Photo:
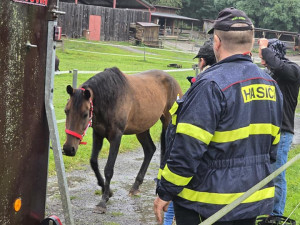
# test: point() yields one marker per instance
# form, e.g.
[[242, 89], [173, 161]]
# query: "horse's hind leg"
[[149, 149]]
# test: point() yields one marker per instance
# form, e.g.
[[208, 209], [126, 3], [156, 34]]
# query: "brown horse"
[[119, 104]]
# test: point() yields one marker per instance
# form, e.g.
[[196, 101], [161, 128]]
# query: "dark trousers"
[[185, 216]]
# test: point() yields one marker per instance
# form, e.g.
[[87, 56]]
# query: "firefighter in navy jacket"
[[223, 135]]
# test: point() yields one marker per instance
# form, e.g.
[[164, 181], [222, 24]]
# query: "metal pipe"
[[75, 75], [54, 135]]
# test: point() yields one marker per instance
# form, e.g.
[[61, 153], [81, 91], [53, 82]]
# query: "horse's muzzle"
[[69, 150]]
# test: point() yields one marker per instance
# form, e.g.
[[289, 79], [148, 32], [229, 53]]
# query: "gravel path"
[[121, 208]]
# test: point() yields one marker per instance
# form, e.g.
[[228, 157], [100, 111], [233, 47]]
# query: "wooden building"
[[169, 21], [97, 22], [110, 20], [147, 33]]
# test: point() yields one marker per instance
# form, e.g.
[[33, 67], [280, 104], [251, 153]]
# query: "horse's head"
[[79, 111]]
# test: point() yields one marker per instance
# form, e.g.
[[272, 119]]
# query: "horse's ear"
[[87, 94], [70, 90]]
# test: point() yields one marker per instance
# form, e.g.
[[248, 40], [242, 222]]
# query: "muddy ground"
[[121, 208]]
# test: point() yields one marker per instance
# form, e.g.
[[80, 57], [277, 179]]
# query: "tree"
[[270, 14], [171, 3], [200, 9]]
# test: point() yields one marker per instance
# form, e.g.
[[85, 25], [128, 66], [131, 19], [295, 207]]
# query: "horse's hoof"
[[111, 193], [100, 208], [134, 192]]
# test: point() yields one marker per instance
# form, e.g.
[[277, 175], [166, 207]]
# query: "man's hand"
[[263, 43], [160, 206]]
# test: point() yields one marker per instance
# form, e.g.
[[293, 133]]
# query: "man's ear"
[[202, 63], [217, 42]]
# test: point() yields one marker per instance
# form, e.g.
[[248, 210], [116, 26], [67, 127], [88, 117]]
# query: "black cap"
[[229, 16], [206, 50]]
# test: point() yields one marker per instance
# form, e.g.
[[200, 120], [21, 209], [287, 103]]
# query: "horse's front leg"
[[97, 145], [109, 170]]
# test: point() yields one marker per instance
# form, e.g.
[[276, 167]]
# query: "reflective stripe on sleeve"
[[245, 132], [174, 119], [225, 198], [276, 140], [194, 131], [174, 108], [172, 111], [159, 174], [174, 178]]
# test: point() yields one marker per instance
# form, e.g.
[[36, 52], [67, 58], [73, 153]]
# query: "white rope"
[[137, 56], [291, 214], [97, 43], [126, 72], [61, 121]]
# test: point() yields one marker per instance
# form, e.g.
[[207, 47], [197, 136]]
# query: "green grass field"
[[96, 56]]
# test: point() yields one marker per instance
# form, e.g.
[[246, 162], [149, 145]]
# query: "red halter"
[[80, 136]]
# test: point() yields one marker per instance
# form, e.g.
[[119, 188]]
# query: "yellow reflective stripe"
[[159, 174], [174, 178], [174, 119], [225, 198], [276, 140], [174, 108], [194, 131], [245, 132]]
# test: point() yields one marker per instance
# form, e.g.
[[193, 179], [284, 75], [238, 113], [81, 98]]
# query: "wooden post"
[[165, 26], [173, 27], [75, 75], [191, 34]]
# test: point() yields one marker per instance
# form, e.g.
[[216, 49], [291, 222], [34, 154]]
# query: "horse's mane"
[[108, 87]]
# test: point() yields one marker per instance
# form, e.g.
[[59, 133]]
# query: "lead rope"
[[291, 214]]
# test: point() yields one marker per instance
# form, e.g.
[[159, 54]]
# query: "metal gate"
[[24, 133]]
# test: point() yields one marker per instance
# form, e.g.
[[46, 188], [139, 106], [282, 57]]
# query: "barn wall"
[[115, 23]]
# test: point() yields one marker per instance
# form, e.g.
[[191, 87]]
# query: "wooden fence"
[[115, 23]]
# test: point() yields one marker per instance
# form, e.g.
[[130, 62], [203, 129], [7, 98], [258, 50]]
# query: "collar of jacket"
[[235, 58]]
